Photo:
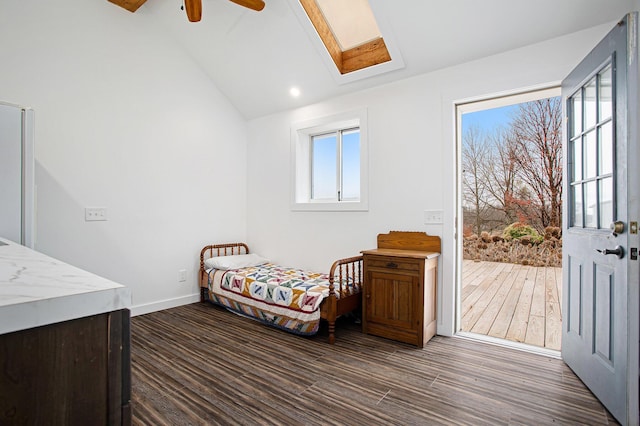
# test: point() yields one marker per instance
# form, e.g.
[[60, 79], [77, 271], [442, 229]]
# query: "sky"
[[488, 119]]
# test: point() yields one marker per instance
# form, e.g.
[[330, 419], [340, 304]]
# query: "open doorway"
[[510, 198]]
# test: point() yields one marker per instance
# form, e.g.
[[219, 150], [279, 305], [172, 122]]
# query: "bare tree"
[[537, 136], [501, 173], [475, 155]]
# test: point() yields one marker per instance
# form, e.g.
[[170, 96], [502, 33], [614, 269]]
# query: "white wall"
[[124, 120], [412, 159]]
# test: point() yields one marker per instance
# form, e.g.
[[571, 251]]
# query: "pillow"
[[235, 261]]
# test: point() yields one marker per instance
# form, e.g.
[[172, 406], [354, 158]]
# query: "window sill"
[[343, 206]]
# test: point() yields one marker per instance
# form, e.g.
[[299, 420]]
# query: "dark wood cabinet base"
[[73, 372]]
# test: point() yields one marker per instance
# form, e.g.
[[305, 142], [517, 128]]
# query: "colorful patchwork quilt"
[[287, 298]]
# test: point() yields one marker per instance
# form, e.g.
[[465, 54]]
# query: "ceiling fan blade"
[[194, 9], [256, 5]]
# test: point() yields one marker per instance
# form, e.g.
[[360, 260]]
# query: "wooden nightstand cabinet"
[[399, 298]]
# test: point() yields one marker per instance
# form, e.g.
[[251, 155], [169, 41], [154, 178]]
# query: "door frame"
[[472, 105]]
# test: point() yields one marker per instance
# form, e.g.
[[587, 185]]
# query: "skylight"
[[349, 32], [352, 22]]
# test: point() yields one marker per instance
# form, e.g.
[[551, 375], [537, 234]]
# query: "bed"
[[288, 298]]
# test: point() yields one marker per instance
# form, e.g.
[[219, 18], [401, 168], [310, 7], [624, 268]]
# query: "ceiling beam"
[[324, 31], [130, 5], [366, 55]]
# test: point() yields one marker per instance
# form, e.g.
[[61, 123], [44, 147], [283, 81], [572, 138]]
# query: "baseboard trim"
[[164, 304]]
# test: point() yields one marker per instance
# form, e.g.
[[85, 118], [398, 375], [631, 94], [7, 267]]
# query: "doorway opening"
[[510, 217]]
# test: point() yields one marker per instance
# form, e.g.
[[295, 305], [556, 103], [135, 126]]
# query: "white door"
[[600, 264]]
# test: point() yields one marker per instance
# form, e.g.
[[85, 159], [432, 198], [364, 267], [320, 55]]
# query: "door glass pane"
[[606, 202], [576, 110], [351, 165], [324, 154], [590, 104], [577, 205], [605, 93], [577, 159], [591, 205], [606, 149], [590, 150]]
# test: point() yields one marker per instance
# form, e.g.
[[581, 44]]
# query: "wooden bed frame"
[[342, 271]]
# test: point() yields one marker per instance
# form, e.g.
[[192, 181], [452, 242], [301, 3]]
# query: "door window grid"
[[591, 152]]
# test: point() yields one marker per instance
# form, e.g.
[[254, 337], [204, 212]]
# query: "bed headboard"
[[215, 250]]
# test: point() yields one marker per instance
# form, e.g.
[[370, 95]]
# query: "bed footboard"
[[345, 288]]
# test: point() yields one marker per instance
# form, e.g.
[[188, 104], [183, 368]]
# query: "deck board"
[[475, 304], [503, 285], [518, 328], [520, 303], [505, 316]]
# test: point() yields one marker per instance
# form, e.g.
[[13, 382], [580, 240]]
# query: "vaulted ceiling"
[[254, 58]]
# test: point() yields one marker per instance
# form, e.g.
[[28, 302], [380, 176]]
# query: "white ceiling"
[[255, 57]]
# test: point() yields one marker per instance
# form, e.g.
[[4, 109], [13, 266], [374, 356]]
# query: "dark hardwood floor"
[[201, 365]]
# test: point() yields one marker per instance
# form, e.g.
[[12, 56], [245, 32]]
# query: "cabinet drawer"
[[392, 264]]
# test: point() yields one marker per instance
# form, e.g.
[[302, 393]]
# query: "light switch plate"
[[433, 216], [92, 214]]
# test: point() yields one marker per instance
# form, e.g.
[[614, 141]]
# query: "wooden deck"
[[513, 302]]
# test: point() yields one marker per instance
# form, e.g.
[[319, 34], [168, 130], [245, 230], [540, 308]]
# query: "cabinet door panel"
[[390, 299]]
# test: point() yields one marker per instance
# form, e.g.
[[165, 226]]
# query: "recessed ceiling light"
[[294, 91]]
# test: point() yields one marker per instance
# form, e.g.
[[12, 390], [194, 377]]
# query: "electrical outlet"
[[433, 216], [92, 214], [182, 275]]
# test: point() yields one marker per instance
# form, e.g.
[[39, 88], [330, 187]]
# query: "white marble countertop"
[[37, 290]]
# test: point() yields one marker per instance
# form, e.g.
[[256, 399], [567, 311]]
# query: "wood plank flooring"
[[514, 302], [201, 365]]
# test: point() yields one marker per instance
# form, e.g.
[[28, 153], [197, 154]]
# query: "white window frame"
[[301, 134]]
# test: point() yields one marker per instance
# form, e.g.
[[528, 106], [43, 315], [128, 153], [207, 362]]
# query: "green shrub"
[[517, 230]]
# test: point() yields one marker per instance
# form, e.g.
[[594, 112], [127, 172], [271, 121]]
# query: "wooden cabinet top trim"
[[406, 240], [402, 240]]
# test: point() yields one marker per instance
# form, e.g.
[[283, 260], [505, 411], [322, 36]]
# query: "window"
[[330, 159], [335, 165]]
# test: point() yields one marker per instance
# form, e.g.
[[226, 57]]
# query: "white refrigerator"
[[17, 186]]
